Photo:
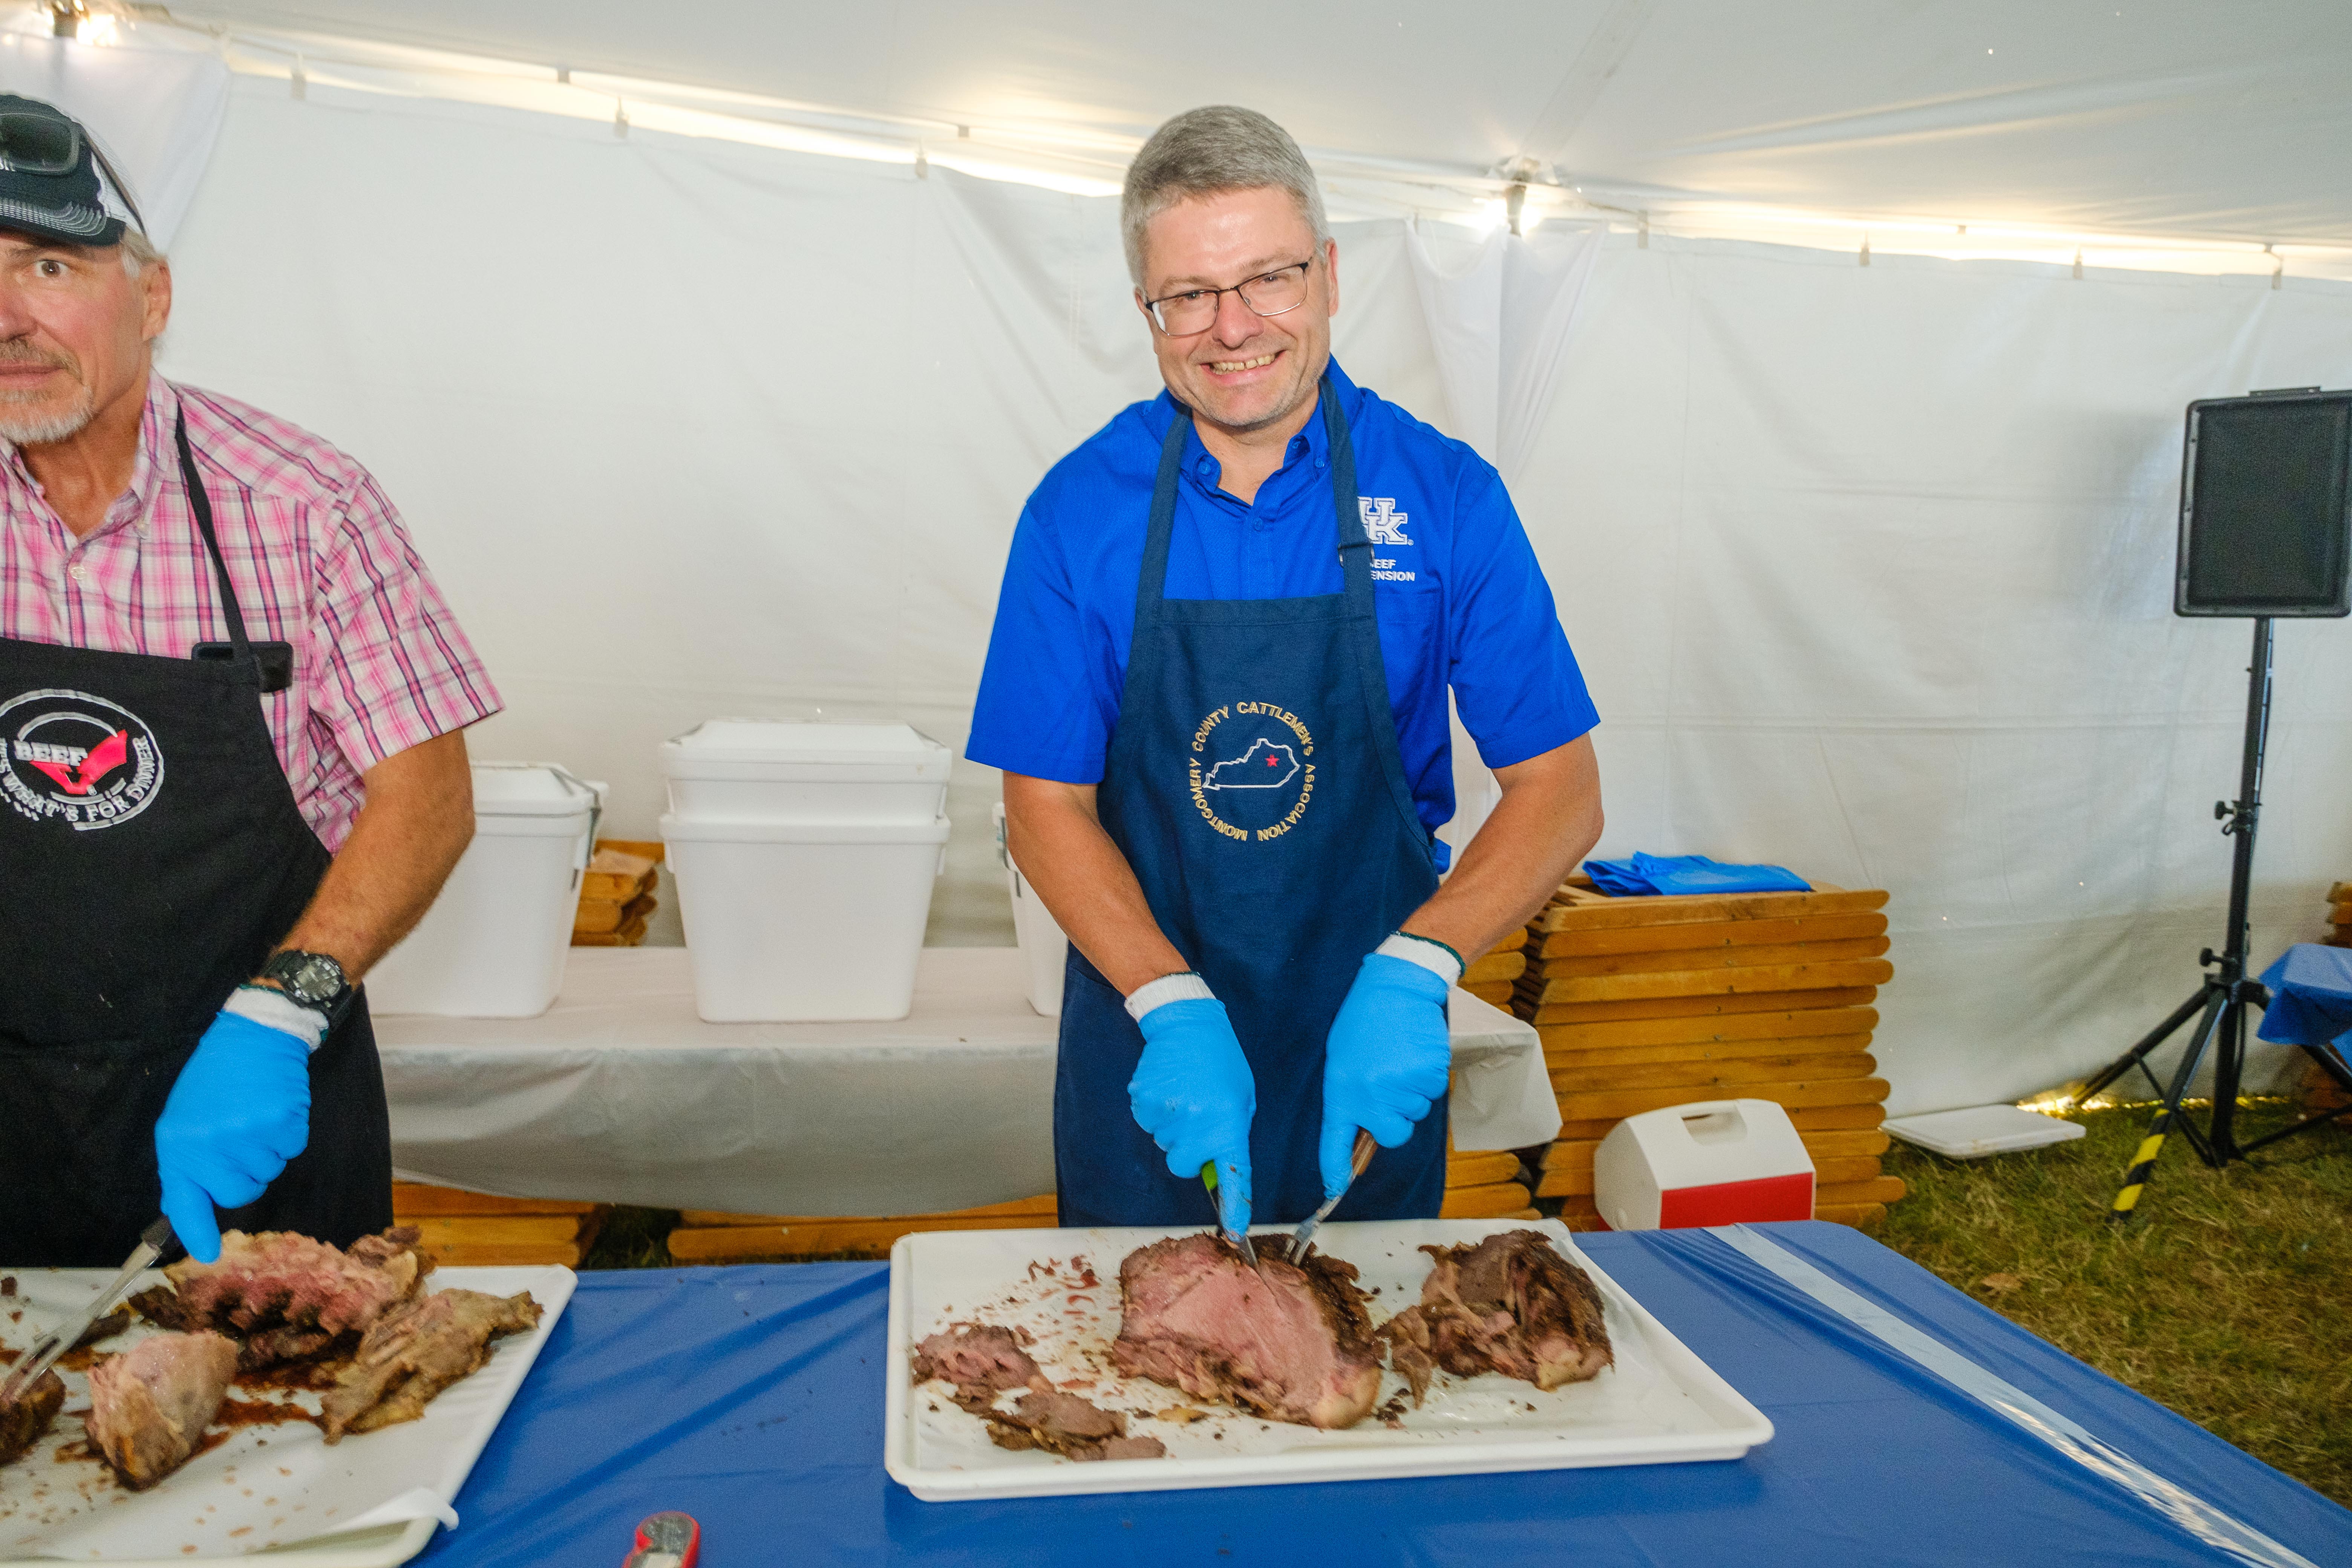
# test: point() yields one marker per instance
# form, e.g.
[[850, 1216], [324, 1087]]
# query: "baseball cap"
[[55, 183]]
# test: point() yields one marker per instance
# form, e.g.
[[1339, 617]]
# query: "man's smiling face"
[[1245, 371]]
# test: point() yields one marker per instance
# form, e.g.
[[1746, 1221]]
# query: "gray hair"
[[138, 252], [1208, 151]]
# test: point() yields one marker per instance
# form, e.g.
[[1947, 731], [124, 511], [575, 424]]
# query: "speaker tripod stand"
[[2222, 1002]]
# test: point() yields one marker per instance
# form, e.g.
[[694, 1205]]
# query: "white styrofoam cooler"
[[494, 943], [1035, 932], [785, 770], [1720, 1161], [804, 921]]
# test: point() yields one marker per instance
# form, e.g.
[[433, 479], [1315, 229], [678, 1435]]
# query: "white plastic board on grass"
[[370, 1502], [1982, 1130], [1659, 1404]]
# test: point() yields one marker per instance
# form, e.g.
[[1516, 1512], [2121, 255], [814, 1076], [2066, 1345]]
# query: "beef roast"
[[1294, 1344], [289, 1297], [1066, 1425], [149, 1407], [1510, 1304], [25, 1418], [415, 1351]]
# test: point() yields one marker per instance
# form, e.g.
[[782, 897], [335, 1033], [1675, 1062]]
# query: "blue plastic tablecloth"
[[752, 1398], [2311, 996]]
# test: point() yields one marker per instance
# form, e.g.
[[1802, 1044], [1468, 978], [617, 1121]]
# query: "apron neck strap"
[[1151, 581], [203, 507]]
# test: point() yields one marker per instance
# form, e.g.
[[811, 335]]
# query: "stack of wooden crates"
[[463, 1228], [1643, 1002], [616, 894], [2319, 1091], [1477, 1187]]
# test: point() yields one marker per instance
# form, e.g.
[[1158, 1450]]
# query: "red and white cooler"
[[1720, 1161]]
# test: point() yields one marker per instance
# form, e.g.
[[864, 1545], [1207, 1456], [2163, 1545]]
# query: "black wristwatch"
[[313, 979]]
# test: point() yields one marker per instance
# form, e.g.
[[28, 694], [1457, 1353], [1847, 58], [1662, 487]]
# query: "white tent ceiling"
[[2165, 118]]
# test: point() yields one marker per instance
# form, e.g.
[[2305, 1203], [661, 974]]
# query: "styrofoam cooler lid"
[[529, 790], [696, 830], [739, 748], [1980, 1129]]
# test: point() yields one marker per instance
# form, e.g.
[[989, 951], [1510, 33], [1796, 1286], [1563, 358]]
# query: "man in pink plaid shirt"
[[232, 767]]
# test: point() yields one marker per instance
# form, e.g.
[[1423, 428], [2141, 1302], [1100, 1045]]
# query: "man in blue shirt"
[[1217, 688]]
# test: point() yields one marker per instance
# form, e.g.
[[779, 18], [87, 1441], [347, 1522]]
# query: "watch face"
[[314, 977]]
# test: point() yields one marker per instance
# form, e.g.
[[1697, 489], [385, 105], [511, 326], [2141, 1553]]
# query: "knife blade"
[[1239, 1238], [153, 1241], [1305, 1234]]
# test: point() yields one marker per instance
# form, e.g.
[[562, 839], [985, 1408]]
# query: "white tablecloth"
[[620, 1094]]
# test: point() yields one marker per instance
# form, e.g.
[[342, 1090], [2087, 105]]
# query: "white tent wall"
[[1869, 567], [687, 427]]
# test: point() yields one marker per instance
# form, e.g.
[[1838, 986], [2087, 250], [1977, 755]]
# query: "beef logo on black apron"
[[1251, 771], [70, 757]]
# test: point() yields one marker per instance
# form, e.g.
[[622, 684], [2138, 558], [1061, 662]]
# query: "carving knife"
[[1238, 1237], [153, 1241], [1305, 1234]]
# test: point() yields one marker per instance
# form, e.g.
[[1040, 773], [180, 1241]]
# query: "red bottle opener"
[[670, 1540]]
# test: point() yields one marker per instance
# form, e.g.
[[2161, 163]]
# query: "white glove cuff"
[[1185, 987], [1435, 957], [276, 1010]]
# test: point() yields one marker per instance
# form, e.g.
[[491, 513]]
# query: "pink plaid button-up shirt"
[[318, 557]]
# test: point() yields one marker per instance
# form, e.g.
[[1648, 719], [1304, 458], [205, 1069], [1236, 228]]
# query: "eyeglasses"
[[1267, 294], [38, 144]]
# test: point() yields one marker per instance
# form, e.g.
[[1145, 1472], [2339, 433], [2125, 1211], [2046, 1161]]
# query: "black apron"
[[151, 859], [1254, 784]]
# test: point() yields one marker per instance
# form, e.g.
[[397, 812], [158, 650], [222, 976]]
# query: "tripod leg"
[[2143, 1160], [2228, 1068], [2148, 1042]]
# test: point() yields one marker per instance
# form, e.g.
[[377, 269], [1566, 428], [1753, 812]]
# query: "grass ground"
[[2227, 1297]]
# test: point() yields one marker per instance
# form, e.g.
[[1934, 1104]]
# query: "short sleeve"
[[396, 668], [1515, 679], [1038, 713]]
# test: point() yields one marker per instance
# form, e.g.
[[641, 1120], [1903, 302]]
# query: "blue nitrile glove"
[[1386, 1059], [238, 1112], [1193, 1092]]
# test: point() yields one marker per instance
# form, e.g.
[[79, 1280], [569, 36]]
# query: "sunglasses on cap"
[[34, 144]]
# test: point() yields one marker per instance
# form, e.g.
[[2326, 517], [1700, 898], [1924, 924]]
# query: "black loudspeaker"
[[2266, 506]]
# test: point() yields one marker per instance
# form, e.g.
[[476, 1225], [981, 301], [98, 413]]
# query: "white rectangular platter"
[[1659, 1404], [370, 1502]]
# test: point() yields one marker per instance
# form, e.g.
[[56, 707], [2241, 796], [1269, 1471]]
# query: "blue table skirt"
[[752, 1398]]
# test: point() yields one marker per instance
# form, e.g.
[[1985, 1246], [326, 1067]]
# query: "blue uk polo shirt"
[[1460, 597]]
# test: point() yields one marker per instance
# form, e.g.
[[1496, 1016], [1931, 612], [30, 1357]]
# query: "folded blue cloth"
[[1654, 873], [2311, 996]]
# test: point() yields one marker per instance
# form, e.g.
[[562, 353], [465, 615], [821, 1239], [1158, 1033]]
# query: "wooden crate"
[[1497, 1200], [1685, 1008], [616, 893], [1706, 934], [706, 1235], [1481, 1168], [463, 1228], [1497, 994]]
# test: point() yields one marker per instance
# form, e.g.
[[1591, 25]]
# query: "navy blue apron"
[[1254, 783]]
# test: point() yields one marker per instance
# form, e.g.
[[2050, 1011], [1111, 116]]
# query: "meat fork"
[[1293, 1248]]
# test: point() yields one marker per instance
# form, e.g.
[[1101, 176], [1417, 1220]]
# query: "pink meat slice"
[[150, 1405], [277, 1278], [977, 1356], [1294, 1345]]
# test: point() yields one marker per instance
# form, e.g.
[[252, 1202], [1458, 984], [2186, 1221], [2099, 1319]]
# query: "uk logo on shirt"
[[1384, 524]]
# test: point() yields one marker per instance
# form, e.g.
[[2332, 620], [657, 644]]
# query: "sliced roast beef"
[[1293, 1344], [1510, 1304], [980, 1359], [415, 1351], [25, 1418], [149, 1407], [277, 1280], [1066, 1425]]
